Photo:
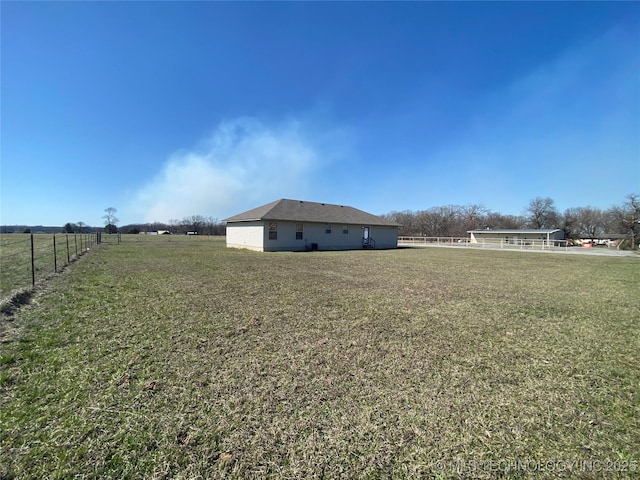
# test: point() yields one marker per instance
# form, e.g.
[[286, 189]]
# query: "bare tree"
[[627, 218], [579, 222], [569, 223], [450, 220], [437, 221], [471, 217], [175, 226], [498, 220], [444, 220], [406, 219], [424, 223], [194, 223], [214, 227], [542, 213], [590, 222], [110, 220]]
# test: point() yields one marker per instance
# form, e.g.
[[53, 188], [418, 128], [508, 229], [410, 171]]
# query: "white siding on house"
[[248, 235]]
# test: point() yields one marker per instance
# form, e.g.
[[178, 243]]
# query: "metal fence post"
[[68, 257], [75, 240], [55, 257], [33, 265]]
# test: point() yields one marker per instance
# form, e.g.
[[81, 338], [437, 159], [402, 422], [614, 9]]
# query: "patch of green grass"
[[7, 359], [176, 357], [15, 258]]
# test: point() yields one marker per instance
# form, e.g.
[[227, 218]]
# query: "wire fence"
[[26, 259], [110, 238]]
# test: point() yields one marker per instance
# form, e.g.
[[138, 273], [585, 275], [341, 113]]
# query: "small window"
[[299, 231], [273, 231], [345, 230], [327, 228]]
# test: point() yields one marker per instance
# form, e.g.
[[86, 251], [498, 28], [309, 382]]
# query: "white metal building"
[[294, 225], [516, 236]]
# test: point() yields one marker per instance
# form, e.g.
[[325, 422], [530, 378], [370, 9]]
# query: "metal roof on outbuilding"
[[531, 231], [302, 211]]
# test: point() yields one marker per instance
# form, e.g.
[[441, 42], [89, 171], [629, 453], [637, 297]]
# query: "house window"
[[273, 231], [345, 230], [299, 231], [327, 228]]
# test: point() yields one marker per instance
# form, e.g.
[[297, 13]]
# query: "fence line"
[[518, 244], [434, 240], [110, 238], [33, 257]]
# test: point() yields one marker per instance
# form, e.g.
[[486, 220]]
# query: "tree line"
[[198, 224], [439, 221], [578, 222]]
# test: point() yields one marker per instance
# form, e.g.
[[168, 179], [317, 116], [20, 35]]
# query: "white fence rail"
[[434, 240], [515, 243]]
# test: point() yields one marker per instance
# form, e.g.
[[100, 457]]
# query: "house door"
[[365, 235]]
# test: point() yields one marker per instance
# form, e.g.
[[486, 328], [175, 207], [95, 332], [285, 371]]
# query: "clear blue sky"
[[170, 109]]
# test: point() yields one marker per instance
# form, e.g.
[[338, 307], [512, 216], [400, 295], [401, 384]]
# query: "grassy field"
[[15, 257], [177, 358]]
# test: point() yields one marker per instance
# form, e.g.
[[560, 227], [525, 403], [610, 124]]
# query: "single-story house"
[[516, 236], [294, 225]]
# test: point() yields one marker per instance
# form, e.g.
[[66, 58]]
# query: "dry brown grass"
[[178, 358]]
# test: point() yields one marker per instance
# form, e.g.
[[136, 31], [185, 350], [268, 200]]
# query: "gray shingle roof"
[[300, 211]]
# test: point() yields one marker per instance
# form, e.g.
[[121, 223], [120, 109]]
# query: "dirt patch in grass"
[[10, 329], [10, 305], [180, 358]]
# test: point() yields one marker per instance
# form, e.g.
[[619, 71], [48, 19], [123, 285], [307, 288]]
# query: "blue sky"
[[170, 109]]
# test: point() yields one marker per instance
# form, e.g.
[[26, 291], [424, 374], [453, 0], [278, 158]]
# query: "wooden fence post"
[[68, 257]]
